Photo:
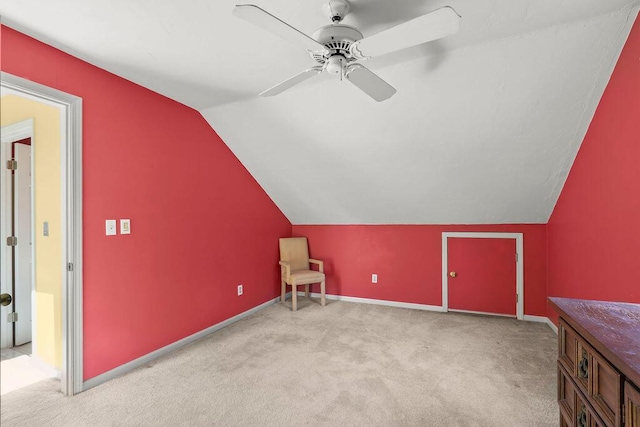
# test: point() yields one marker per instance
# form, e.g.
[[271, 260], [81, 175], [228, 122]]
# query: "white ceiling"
[[483, 129]]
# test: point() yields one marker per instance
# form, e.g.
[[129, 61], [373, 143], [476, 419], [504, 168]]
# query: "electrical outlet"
[[240, 291], [374, 278]]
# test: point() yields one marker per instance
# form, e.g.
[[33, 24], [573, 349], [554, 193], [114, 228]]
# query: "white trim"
[[398, 304], [542, 319], [44, 367], [17, 131], [425, 307], [143, 360], [34, 175], [538, 319], [74, 244], [484, 313], [480, 235], [71, 155]]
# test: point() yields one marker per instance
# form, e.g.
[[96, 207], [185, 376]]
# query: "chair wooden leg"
[[306, 291], [283, 293], [322, 290], [294, 298]]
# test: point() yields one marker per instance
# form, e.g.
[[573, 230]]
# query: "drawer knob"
[[583, 365], [581, 419]]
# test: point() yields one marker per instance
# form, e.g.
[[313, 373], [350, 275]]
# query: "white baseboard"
[[379, 302], [527, 318], [143, 360], [512, 316], [541, 319], [44, 367]]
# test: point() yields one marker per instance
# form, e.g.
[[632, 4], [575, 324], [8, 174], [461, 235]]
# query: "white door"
[[23, 251], [6, 270], [17, 218]]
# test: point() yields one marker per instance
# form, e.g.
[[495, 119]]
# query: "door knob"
[[453, 274], [5, 299]]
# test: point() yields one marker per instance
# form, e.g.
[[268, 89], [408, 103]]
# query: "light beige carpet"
[[342, 365]]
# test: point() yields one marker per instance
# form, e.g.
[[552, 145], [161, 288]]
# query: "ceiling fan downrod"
[[336, 10]]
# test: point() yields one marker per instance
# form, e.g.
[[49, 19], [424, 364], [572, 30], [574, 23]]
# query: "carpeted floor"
[[342, 365]]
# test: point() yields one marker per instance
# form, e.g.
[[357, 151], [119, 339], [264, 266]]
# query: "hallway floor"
[[18, 369], [10, 353]]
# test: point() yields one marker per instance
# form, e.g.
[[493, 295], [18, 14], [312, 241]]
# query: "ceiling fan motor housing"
[[337, 39]]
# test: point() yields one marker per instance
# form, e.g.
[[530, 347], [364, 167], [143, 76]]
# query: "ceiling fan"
[[338, 47]]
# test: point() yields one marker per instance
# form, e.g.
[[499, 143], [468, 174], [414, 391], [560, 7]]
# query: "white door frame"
[[71, 197], [481, 235]]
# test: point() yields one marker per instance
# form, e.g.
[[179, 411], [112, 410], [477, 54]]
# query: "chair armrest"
[[287, 269], [320, 264]]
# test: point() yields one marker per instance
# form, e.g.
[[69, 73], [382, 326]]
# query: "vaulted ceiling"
[[483, 128]]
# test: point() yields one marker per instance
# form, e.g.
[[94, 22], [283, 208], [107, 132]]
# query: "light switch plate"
[[111, 227], [125, 226]]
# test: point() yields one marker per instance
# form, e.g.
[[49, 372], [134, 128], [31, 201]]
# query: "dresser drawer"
[[632, 405], [585, 416], [592, 374], [575, 409], [567, 347], [566, 394], [605, 389]]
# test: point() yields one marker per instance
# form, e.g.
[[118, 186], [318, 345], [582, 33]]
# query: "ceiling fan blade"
[[369, 82], [263, 19], [289, 83], [432, 26]]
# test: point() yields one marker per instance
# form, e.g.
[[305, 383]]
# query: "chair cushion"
[[303, 277]]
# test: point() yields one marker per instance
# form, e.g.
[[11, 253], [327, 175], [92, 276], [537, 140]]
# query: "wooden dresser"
[[598, 362]]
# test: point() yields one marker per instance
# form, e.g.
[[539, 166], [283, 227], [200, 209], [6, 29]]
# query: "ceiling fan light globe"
[[335, 64]]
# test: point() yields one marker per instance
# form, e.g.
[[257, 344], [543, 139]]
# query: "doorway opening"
[[17, 223], [41, 245], [483, 275]]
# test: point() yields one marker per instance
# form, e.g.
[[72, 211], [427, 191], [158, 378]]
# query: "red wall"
[[408, 260], [594, 231], [200, 223]]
